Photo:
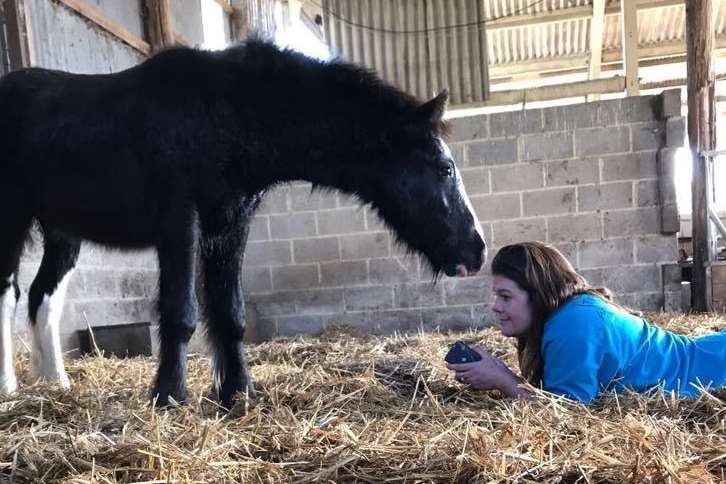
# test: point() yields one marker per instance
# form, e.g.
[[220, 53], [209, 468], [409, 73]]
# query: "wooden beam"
[[226, 7], [629, 29], [159, 24], [19, 48], [571, 13], [597, 25], [702, 137], [549, 93], [110, 26]]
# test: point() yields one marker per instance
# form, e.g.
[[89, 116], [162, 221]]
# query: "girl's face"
[[511, 305]]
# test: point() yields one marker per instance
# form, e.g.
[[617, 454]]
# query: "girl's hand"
[[489, 373]]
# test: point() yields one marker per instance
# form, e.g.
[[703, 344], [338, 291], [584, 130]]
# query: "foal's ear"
[[432, 111]]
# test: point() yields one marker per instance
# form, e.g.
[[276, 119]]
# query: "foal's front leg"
[[177, 310]]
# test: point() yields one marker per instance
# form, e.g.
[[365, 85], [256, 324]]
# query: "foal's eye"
[[446, 171]]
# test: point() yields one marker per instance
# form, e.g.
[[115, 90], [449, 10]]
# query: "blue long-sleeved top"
[[589, 346]]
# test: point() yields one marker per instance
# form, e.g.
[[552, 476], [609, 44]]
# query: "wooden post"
[[596, 30], [629, 15], [19, 52], [702, 137], [159, 24]]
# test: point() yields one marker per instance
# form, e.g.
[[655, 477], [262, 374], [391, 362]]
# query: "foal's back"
[[99, 156]]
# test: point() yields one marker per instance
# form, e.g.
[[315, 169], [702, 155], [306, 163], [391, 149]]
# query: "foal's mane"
[[351, 80]]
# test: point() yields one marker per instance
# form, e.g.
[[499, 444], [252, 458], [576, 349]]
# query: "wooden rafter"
[[571, 13], [159, 24], [629, 16], [110, 26], [597, 25]]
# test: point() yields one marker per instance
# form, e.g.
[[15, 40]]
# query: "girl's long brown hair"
[[549, 280]]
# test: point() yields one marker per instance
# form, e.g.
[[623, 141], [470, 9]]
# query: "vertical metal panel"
[[417, 45], [4, 58]]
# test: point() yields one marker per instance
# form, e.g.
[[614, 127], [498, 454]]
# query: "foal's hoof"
[[165, 398]]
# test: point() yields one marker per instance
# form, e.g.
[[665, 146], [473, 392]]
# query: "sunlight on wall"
[[213, 26], [298, 37]]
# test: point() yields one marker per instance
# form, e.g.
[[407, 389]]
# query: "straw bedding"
[[347, 407]]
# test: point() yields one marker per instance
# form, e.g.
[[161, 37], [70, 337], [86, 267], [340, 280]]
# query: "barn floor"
[[346, 407]]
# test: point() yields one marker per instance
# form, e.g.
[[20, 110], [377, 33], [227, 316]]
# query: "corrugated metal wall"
[[421, 46]]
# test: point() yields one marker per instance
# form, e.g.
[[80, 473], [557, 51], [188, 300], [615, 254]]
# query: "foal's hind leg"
[[13, 231], [45, 305]]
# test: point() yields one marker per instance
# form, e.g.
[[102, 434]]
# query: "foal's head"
[[419, 192]]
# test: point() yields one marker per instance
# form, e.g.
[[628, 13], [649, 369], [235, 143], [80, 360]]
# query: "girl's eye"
[[446, 171]]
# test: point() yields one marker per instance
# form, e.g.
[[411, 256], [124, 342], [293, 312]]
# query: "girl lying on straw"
[[574, 340]]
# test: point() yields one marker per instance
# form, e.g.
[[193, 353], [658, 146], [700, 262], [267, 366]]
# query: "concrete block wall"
[[594, 179], [588, 178]]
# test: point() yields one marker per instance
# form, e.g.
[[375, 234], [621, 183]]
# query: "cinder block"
[[671, 103], [295, 277], [629, 166], [401, 320], [572, 172], [569, 250], [358, 320], [666, 175], [374, 223], [275, 201], [605, 196], [259, 228], [256, 279], [547, 146], [521, 230], [630, 279], [596, 141], [469, 128], [652, 301], [594, 277], [341, 221], [471, 290], [319, 301], [648, 136], [343, 200], [361, 246], [640, 221], [292, 225], [602, 253], [368, 298], [303, 198], [318, 249], [517, 177], [288, 326], [584, 115], [415, 295], [269, 253], [275, 304], [458, 153], [104, 312], [343, 273], [718, 273], [673, 301], [493, 152], [447, 319], [672, 276], [131, 283], [676, 132], [393, 269], [515, 122], [670, 219], [546, 202], [574, 228], [636, 109], [258, 329], [659, 248], [476, 180], [647, 193], [497, 207]]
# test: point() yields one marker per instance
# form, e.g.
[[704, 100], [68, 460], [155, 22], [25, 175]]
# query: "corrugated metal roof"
[[524, 38]]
